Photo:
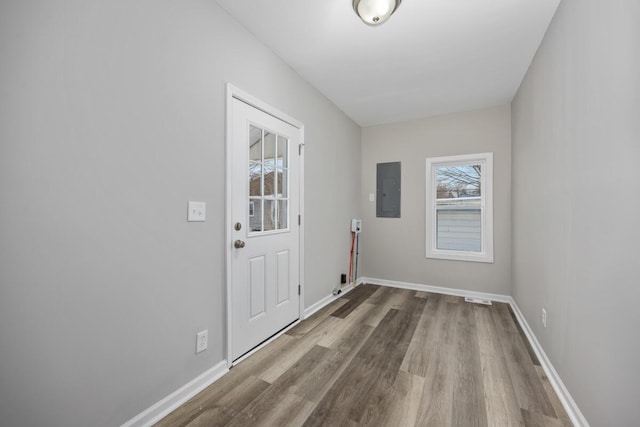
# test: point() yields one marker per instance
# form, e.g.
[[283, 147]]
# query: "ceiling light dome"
[[375, 12]]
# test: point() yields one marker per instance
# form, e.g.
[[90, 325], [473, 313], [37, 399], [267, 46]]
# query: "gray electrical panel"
[[388, 190]]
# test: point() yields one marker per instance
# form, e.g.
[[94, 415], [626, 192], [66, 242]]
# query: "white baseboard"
[[573, 411], [309, 311], [436, 289], [164, 407]]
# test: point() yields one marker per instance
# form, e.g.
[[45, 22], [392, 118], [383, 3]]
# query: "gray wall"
[[394, 249], [576, 145], [112, 117]]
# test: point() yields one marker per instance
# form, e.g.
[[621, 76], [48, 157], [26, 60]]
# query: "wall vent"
[[477, 300]]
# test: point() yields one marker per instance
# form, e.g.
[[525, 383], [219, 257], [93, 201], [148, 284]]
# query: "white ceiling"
[[431, 57]]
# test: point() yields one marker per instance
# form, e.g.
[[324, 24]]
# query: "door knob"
[[238, 244]]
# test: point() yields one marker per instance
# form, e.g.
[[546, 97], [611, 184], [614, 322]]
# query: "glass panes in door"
[[268, 181]]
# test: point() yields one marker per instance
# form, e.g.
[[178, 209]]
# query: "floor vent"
[[478, 300]]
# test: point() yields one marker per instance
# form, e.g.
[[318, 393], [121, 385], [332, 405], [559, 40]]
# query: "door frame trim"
[[233, 92]]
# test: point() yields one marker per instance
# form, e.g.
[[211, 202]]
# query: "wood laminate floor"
[[382, 356]]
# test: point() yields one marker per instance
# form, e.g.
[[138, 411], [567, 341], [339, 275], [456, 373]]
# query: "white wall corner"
[[573, 411], [168, 404], [309, 311]]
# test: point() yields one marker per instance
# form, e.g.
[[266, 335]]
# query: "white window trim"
[[486, 189]]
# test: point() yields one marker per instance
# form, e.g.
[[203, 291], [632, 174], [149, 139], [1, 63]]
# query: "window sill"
[[461, 256]]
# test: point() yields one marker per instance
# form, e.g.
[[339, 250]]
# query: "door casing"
[[231, 93]]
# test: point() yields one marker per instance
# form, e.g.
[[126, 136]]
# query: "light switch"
[[197, 211], [372, 197]]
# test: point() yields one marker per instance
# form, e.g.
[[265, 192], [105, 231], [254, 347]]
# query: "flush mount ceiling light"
[[375, 12]]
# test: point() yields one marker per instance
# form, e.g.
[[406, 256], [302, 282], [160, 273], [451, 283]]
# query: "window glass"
[[459, 207], [268, 181], [458, 212]]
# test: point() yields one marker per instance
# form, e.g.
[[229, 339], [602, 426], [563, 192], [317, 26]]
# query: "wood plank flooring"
[[381, 356]]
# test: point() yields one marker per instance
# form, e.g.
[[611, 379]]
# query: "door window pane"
[[270, 215], [283, 152], [268, 181], [255, 179], [269, 150], [255, 144], [283, 214], [283, 190], [255, 215]]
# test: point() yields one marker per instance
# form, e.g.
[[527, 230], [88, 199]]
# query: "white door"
[[265, 237]]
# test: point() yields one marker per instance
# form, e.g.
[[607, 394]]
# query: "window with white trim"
[[460, 207]]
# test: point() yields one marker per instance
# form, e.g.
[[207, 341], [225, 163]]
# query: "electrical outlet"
[[201, 341], [544, 317]]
